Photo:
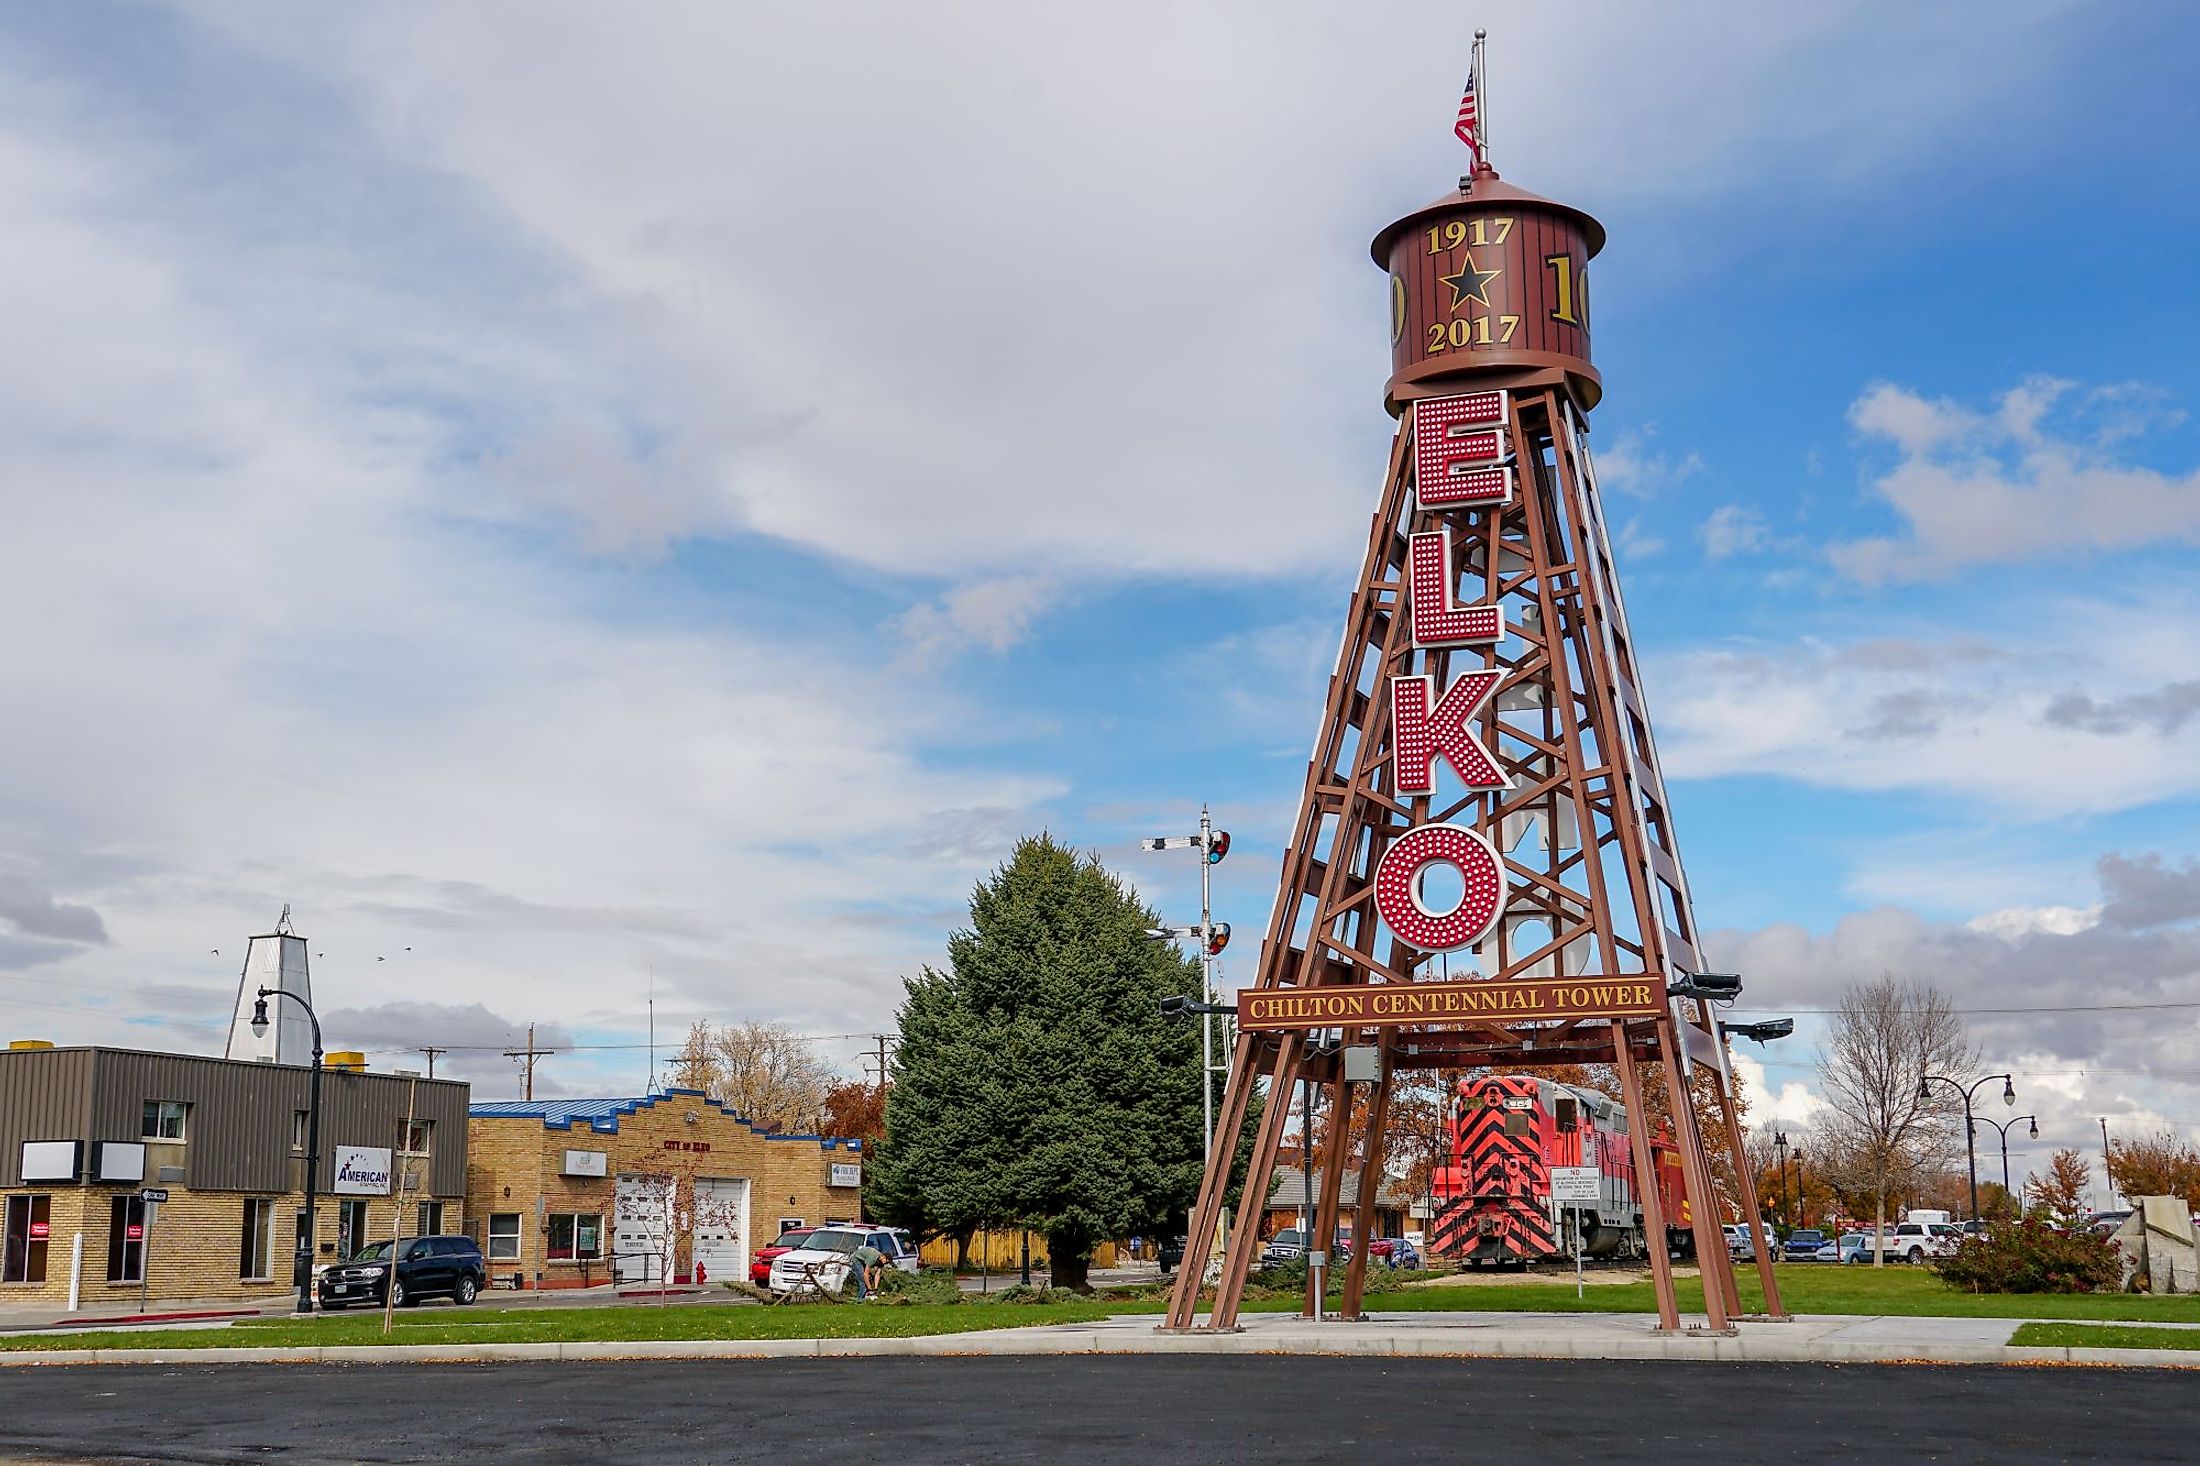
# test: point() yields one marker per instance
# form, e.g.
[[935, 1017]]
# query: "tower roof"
[[1483, 186]]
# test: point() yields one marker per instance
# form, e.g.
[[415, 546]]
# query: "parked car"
[[1802, 1245], [1170, 1255], [760, 1266], [821, 1263], [1906, 1242], [902, 1254], [1289, 1245], [1738, 1240], [1394, 1252], [823, 1258], [425, 1267], [2106, 1222]]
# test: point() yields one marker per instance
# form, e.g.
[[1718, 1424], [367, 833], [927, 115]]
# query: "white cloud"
[[932, 271], [2066, 999], [2033, 478], [2083, 713], [1631, 466], [1791, 1102], [266, 669], [1733, 529], [994, 614]]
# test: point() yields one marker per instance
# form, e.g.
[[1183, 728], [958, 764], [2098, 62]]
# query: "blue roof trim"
[[603, 1115]]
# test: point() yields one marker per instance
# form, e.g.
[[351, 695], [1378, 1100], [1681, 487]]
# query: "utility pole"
[[2108, 1182], [881, 1062], [530, 1054], [431, 1051]]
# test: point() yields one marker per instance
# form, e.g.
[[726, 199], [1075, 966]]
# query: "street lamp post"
[[1970, 1136], [302, 1265], [2004, 1129], [1780, 1144], [1802, 1203]]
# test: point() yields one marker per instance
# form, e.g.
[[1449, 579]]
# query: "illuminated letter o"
[[1398, 888]]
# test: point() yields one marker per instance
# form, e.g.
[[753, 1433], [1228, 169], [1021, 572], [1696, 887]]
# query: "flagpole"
[[1481, 105]]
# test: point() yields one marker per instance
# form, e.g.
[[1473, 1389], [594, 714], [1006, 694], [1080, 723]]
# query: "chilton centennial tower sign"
[[1483, 870]]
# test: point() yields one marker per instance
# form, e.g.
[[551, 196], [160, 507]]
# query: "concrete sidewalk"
[[1819, 1338]]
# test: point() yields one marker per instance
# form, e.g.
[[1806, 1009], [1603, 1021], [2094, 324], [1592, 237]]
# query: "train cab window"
[[1565, 1110]]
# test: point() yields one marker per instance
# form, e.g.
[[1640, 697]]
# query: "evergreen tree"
[[1037, 1082]]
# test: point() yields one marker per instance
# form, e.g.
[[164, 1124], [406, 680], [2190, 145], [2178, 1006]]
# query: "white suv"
[[1916, 1241], [822, 1262]]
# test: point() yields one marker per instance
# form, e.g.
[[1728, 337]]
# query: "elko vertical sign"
[[1460, 461]]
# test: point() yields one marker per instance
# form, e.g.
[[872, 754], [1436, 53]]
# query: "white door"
[[638, 1228], [722, 1228]]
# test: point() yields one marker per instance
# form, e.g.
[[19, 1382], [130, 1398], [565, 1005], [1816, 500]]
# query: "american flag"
[[1464, 127]]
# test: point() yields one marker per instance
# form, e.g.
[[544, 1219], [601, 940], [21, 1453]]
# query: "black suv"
[[426, 1266]]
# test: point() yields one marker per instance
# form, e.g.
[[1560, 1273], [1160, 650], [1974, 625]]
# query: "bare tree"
[[1886, 1037], [764, 1072]]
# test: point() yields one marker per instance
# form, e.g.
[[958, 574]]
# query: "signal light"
[[1218, 937], [1218, 845]]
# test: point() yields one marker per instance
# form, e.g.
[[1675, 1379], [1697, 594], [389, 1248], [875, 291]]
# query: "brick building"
[[83, 1131], [570, 1193]]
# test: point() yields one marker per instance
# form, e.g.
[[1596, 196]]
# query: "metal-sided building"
[[85, 1131], [573, 1193]]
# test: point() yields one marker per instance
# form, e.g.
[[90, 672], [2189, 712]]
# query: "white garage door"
[[722, 1228], [638, 1229]]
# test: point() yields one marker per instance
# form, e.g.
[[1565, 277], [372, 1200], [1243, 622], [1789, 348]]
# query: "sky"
[[596, 507]]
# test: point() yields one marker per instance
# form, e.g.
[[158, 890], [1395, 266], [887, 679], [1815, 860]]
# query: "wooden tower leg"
[[1646, 1183], [1747, 1184], [1237, 1262], [1207, 1212], [1334, 1155], [1371, 1177], [1710, 1241]]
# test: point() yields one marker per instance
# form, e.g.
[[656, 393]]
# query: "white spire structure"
[[276, 960]]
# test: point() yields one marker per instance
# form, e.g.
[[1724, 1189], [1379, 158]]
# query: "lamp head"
[[259, 1018], [1175, 1007], [1924, 1089], [2035, 1128], [2008, 1092]]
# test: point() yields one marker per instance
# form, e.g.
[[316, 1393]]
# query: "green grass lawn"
[[1807, 1289], [2103, 1336], [556, 1325]]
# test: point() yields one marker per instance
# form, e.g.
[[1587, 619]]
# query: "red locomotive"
[[1493, 1202]]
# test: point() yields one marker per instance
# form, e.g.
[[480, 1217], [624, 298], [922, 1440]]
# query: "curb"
[[1086, 1341]]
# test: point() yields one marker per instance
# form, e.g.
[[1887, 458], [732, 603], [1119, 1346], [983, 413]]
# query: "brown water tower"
[[1489, 287]]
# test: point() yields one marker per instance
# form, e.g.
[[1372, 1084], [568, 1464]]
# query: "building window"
[[351, 1227], [298, 1131], [256, 1244], [418, 1135], [126, 1240], [788, 1224], [504, 1236], [575, 1236], [23, 1253], [164, 1119], [431, 1219]]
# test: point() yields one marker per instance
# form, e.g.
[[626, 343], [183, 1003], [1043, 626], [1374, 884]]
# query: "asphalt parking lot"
[[1175, 1409]]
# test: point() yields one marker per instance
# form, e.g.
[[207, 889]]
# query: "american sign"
[[1398, 1005]]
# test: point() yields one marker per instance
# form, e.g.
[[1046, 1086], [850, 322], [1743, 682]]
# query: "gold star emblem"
[[1470, 283]]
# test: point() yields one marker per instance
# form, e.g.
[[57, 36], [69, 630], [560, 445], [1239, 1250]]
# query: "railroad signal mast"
[[1483, 870], [1212, 936]]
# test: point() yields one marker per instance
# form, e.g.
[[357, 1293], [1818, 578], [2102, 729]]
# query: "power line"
[[2063, 1008]]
